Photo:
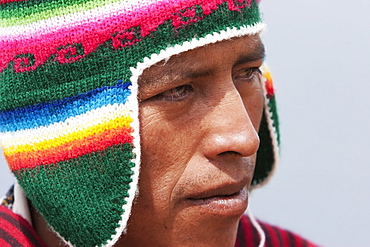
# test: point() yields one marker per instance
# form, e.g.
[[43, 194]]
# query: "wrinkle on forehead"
[[198, 63]]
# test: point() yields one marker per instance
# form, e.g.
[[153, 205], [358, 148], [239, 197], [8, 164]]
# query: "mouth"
[[221, 201]]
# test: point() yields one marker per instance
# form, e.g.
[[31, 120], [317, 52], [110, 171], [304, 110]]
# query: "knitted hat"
[[68, 99]]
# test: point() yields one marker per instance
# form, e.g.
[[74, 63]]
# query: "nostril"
[[230, 153]]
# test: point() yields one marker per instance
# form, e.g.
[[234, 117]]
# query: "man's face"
[[200, 113]]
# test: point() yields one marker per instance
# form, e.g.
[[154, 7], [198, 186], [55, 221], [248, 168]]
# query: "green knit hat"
[[68, 99]]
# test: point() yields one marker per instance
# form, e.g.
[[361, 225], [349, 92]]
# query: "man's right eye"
[[176, 94]]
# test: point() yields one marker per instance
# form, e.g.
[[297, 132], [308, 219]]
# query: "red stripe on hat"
[[10, 1], [70, 150], [94, 33]]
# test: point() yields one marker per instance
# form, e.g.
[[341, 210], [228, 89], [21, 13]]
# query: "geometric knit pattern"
[[68, 99], [268, 153]]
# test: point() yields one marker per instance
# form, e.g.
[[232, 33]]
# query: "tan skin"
[[200, 113]]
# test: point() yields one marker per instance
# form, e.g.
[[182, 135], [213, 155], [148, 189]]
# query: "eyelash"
[[251, 73], [177, 94], [181, 92]]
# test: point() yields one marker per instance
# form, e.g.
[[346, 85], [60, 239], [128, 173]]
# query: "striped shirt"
[[15, 231]]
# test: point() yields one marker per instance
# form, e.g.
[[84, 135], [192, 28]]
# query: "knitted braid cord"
[[68, 109]]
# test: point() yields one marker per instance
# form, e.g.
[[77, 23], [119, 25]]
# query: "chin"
[[208, 230]]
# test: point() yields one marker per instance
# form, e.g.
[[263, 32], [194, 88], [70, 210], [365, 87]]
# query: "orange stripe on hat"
[[70, 150]]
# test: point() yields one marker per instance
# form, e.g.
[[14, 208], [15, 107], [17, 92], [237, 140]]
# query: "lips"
[[228, 200]]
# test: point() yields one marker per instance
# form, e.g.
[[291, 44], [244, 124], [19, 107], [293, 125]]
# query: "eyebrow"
[[175, 74], [193, 74], [257, 54]]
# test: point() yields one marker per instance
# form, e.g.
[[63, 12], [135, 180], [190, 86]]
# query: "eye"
[[248, 74], [176, 94]]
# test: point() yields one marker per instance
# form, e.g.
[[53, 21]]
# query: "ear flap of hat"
[[268, 152]]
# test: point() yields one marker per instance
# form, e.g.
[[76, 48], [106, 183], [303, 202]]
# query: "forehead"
[[237, 50]]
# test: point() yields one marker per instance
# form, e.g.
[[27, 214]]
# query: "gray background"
[[319, 54]]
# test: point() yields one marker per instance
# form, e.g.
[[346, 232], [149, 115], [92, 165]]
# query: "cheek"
[[166, 149]]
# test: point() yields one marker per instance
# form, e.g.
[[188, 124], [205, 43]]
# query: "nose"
[[230, 129]]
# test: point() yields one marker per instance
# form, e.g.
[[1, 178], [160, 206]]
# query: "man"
[[136, 123]]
